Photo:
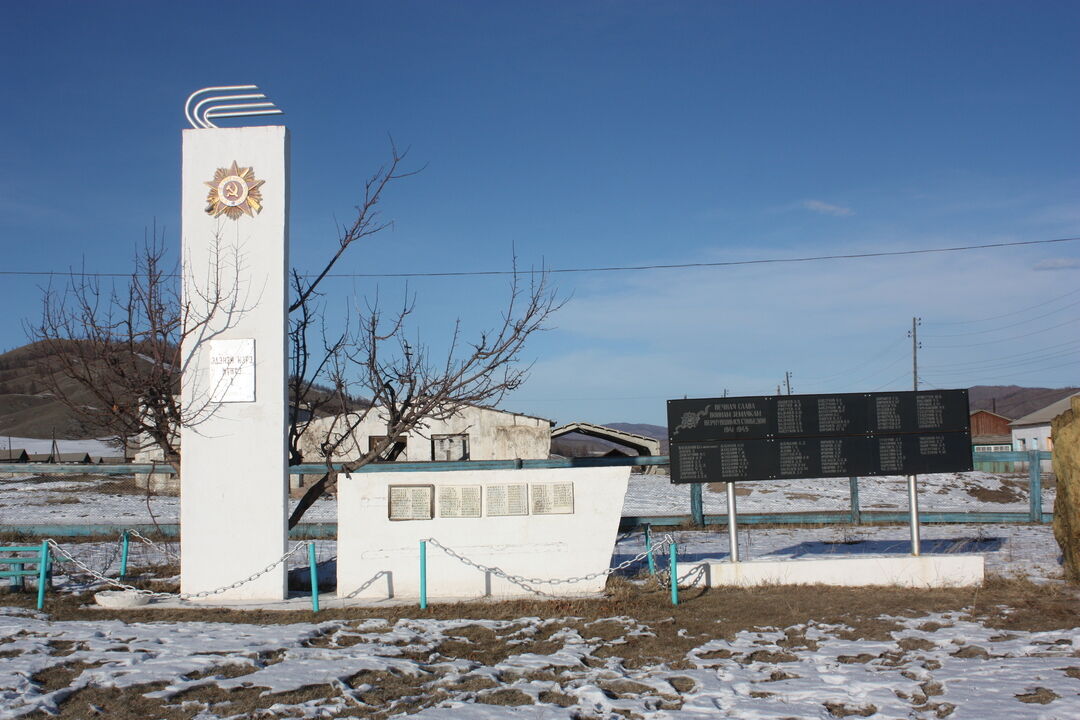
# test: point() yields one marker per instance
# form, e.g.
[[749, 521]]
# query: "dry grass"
[[1005, 603]]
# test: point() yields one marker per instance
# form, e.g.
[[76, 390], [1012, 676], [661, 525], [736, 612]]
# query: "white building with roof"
[[1032, 431], [472, 433]]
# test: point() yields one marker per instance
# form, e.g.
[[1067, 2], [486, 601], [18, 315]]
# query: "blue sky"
[[589, 134]]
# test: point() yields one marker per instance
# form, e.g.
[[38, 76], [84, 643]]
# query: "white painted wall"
[[379, 558], [1033, 437], [233, 477], [493, 435]]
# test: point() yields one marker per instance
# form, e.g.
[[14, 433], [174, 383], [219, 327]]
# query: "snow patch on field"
[[938, 665]]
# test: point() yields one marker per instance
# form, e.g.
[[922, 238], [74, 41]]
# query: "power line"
[[614, 268], [1012, 375], [1009, 365], [1008, 314], [1041, 352], [859, 366], [1014, 337], [1025, 321]]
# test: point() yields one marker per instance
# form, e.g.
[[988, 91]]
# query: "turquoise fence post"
[[43, 574], [123, 554], [423, 575], [313, 568], [697, 509], [673, 567], [648, 548], [1035, 487], [856, 512]]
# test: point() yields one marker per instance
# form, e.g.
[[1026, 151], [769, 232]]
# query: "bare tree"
[[122, 349], [407, 387], [111, 355]]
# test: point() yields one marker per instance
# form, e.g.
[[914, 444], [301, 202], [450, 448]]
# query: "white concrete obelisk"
[[234, 472]]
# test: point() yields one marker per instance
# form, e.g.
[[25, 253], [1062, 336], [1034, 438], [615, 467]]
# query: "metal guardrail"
[[695, 516], [439, 466], [320, 468]]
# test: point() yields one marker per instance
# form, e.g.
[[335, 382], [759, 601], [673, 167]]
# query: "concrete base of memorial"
[[925, 571], [557, 524]]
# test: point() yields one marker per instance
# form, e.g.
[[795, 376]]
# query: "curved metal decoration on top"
[[199, 113]]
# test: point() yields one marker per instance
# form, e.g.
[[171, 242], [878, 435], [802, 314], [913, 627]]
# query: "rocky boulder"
[[1065, 430]]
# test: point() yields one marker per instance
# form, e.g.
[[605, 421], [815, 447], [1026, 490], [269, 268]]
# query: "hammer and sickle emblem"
[[232, 190]]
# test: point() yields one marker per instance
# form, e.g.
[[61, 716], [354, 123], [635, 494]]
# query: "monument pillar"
[[235, 256]]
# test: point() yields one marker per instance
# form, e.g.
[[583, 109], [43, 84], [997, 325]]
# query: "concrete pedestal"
[[925, 571], [378, 558]]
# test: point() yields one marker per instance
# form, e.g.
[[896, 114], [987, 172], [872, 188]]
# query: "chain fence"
[[530, 583]]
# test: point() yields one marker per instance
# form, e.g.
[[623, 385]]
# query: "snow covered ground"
[[59, 499], [934, 665]]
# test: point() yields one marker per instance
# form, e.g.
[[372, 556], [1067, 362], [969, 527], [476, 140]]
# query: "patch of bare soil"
[[1040, 695], [60, 676], [842, 710], [721, 489], [114, 703], [1003, 495], [506, 696]]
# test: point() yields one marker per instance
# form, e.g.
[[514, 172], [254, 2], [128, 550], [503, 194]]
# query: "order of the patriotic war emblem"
[[234, 191]]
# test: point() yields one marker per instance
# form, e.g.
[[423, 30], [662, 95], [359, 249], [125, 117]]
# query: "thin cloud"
[[1058, 264], [824, 208]]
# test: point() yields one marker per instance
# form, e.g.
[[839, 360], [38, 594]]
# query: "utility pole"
[[915, 345], [787, 380]]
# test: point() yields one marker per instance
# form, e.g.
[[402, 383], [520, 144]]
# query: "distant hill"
[[29, 410]]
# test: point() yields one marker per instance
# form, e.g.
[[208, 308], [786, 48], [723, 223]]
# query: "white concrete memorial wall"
[[553, 523], [233, 481]]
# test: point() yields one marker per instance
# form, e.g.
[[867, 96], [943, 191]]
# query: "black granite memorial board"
[[807, 436]]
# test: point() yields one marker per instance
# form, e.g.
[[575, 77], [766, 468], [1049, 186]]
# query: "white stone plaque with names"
[[232, 370], [552, 498], [507, 500], [459, 501], [410, 502]]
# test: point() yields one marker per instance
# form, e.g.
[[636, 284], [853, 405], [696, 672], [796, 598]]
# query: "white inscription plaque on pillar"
[[232, 370]]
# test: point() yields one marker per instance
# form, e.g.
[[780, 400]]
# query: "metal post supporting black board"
[[853, 494], [697, 509], [732, 528], [913, 504]]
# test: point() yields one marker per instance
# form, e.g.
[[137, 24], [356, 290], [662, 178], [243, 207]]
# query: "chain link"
[[529, 582], [180, 596]]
